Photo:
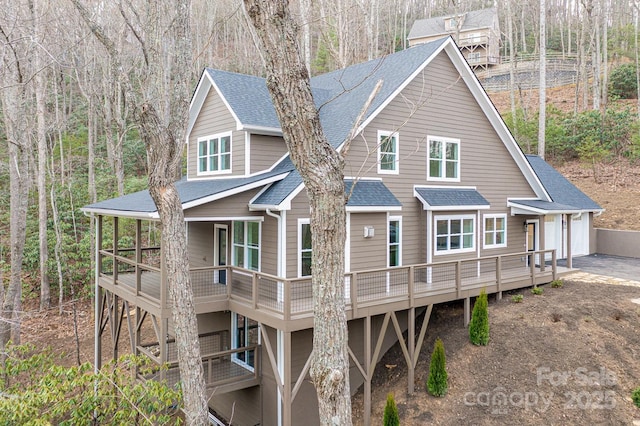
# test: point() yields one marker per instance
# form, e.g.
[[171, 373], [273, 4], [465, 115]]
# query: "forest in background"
[[66, 128]]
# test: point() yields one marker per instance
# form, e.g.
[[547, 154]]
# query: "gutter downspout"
[[279, 333]]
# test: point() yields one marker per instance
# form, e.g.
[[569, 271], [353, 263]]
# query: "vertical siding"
[[215, 118], [265, 151], [438, 103]]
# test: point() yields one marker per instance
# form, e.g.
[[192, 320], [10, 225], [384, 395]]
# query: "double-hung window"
[[246, 245], [214, 154], [455, 234], [388, 144], [495, 230], [304, 248], [443, 159]]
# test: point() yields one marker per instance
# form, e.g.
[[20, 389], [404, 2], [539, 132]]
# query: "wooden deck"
[[287, 304]]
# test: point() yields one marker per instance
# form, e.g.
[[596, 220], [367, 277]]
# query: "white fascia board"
[[224, 219], [426, 206], [259, 130], [234, 191], [495, 119], [204, 86], [523, 209], [373, 209], [121, 213]]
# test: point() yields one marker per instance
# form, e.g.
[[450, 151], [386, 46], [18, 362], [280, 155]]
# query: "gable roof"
[[560, 189], [436, 26], [340, 96]]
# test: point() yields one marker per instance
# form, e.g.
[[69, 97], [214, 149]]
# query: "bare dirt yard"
[[569, 356]]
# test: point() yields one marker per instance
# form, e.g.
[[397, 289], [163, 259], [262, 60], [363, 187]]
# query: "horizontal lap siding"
[[299, 210], [438, 103], [200, 236], [214, 118], [368, 253], [265, 151], [233, 206]]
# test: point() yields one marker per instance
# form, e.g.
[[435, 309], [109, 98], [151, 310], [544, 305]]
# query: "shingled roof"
[[436, 26]]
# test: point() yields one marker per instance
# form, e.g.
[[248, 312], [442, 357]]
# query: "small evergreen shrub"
[[635, 396], [557, 283], [437, 383], [391, 417], [537, 290], [479, 325], [623, 83], [517, 298]]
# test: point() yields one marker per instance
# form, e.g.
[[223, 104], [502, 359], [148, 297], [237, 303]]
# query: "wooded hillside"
[[67, 138]]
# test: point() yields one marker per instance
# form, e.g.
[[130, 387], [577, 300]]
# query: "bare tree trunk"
[[512, 64], [542, 91], [160, 108], [43, 155], [321, 168]]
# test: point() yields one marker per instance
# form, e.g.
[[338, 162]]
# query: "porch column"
[[542, 243], [569, 260], [98, 297], [287, 400]]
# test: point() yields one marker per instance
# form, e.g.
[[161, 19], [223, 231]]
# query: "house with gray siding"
[[440, 201]]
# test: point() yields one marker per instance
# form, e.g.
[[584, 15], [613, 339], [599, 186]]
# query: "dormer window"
[[214, 154], [451, 24]]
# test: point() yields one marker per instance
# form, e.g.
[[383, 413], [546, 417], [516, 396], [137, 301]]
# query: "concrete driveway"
[[627, 268]]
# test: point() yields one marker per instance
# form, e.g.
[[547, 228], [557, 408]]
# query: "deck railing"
[[292, 298]]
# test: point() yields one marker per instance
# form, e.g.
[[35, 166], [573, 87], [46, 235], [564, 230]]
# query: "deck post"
[[410, 283], [287, 300], [554, 264], [532, 267], [367, 369], [164, 331], [353, 289], [286, 381], [499, 277], [459, 279], [115, 251], [411, 339], [254, 290], [467, 311], [138, 256]]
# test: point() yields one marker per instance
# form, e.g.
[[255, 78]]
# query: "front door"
[[220, 255], [532, 239]]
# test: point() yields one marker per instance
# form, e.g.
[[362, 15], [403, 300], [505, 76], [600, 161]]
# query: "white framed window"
[[304, 248], [455, 234], [388, 148], [394, 241], [214, 154], [245, 333], [443, 159], [474, 58], [495, 230], [246, 245]]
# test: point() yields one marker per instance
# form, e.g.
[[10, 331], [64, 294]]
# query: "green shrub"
[[623, 83], [479, 326], [537, 290], [635, 396], [557, 283], [437, 383], [517, 298], [391, 417]]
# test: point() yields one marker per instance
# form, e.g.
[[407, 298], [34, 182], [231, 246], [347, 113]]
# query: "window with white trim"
[[388, 144], [246, 245], [495, 230], [454, 234], [443, 159], [304, 248], [214, 154], [394, 256]]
